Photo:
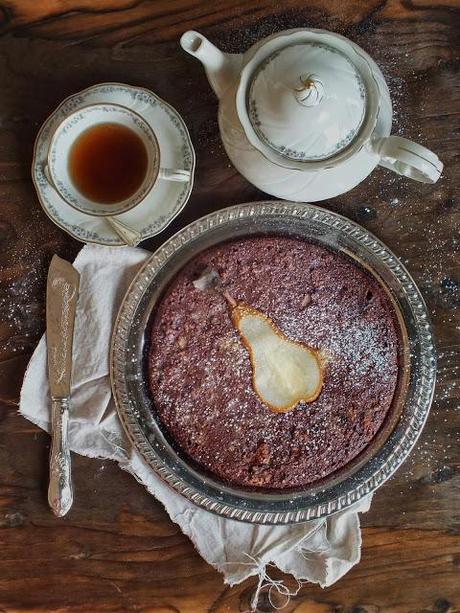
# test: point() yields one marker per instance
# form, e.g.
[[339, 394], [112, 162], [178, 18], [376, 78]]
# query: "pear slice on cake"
[[284, 372]]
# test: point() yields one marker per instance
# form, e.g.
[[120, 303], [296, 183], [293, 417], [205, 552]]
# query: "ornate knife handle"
[[60, 491]]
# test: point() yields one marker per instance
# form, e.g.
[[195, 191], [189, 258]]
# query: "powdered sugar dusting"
[[201, 376]]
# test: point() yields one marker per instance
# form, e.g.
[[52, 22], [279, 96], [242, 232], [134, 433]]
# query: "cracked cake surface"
[[200, 374]]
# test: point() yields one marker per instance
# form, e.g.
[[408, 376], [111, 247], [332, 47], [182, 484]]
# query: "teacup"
[[57, 169]]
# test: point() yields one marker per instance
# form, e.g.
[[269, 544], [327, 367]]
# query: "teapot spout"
[[222, 69]]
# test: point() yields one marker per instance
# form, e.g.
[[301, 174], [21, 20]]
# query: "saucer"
[[160, 206]]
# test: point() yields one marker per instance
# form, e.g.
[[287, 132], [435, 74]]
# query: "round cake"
[[202, 372]]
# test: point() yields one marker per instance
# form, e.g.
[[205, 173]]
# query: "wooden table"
[[117, 549]]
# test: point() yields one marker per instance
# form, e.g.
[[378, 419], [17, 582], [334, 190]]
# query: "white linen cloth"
[[320, 551]]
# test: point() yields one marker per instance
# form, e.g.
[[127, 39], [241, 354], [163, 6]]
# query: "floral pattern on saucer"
[[166, 200]]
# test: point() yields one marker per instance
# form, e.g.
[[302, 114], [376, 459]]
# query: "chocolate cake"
[[201, 375]]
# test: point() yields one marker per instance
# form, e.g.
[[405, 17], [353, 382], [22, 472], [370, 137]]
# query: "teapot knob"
[[310, 91]]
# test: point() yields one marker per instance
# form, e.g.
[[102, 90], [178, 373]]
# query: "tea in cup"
[[104, 159]]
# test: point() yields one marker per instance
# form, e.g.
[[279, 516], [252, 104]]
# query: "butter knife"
[[61, 301]]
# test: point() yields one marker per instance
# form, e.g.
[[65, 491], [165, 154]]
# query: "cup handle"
[[404, 157], [173, 174]]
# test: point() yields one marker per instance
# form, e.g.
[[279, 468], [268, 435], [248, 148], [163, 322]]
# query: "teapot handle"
[[407, 158]]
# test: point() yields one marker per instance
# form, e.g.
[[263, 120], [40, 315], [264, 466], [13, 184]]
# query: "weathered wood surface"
[[117, 550]]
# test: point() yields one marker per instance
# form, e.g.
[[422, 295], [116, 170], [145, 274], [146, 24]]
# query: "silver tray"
[[410, 405]]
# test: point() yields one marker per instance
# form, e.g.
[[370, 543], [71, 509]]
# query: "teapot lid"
[[307, 101]]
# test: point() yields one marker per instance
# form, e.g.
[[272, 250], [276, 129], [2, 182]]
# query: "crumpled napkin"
[[320, 551]]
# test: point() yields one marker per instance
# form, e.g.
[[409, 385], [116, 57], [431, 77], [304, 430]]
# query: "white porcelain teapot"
[[306, 114]]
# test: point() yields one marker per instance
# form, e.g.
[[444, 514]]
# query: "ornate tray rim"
[[223, 504]]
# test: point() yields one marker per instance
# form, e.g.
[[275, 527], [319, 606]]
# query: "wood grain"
[[117, 550]]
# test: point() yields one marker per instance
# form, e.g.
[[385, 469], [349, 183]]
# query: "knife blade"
[[61, 302]]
